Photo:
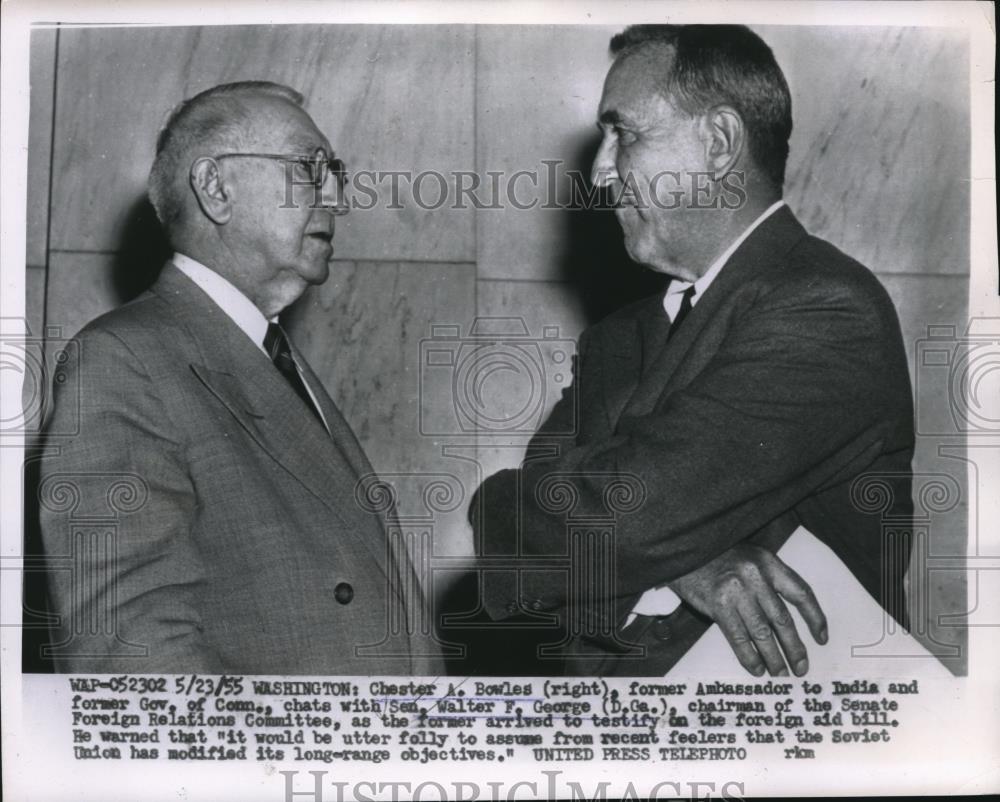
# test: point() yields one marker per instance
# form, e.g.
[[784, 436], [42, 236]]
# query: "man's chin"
[[321, 272], [316, 271]]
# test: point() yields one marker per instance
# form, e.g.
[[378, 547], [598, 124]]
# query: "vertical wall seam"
[[476, 166], [52, 172]]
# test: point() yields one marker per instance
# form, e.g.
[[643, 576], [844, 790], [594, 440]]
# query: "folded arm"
[[794, 397]]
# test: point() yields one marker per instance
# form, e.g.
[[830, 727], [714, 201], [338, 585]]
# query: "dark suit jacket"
[[212, 520], [786, 382]]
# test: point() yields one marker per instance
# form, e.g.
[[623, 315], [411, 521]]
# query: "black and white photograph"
[[499, 401]]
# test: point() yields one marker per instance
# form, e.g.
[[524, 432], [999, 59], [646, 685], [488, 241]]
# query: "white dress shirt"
[[240, 309], [662, 600]]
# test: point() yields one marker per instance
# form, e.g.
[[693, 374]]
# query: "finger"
[[794, 588], [783, 627], [763, 638], [740, 642]]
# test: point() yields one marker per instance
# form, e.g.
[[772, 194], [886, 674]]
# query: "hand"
[[739, 590]]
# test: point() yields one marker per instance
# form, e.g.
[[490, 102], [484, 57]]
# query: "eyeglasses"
[[319, 165]]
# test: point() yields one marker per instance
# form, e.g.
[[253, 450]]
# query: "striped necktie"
[[277, 347]]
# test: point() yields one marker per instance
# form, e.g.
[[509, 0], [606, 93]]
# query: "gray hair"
[[213, 120]]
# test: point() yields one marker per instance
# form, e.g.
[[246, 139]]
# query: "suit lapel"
[[341, 432], [705, 326], [297, 442], [628, 351], [655, 328], [620, 358], [244, 381]]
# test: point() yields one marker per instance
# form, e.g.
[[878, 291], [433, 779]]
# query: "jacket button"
[[661, 628], [343, 593]]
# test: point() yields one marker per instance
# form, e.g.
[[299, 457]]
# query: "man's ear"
[[725, 140], [210, 190]]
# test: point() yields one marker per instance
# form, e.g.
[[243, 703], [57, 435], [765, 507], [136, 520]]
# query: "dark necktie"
[[276, 345], [682, 311]]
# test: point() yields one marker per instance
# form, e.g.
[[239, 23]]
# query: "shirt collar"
[[243, 312], [678, 286]]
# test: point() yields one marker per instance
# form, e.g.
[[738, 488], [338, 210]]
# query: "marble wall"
[[879, 166]]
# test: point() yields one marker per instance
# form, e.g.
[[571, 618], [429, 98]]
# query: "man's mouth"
[[326, 236]]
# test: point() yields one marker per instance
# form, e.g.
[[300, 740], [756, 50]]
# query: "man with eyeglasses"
[[241, 547]]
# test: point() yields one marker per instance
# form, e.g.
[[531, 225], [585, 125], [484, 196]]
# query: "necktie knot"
[[682, 310], [276, 343]]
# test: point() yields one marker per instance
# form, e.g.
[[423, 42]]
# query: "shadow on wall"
[[595, 262], [141, 252]]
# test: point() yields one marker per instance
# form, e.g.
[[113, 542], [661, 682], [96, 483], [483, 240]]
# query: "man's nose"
[[603, 171]]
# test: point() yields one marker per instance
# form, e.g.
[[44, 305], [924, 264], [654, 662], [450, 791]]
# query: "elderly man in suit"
[[745, 401], [242, 546]]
